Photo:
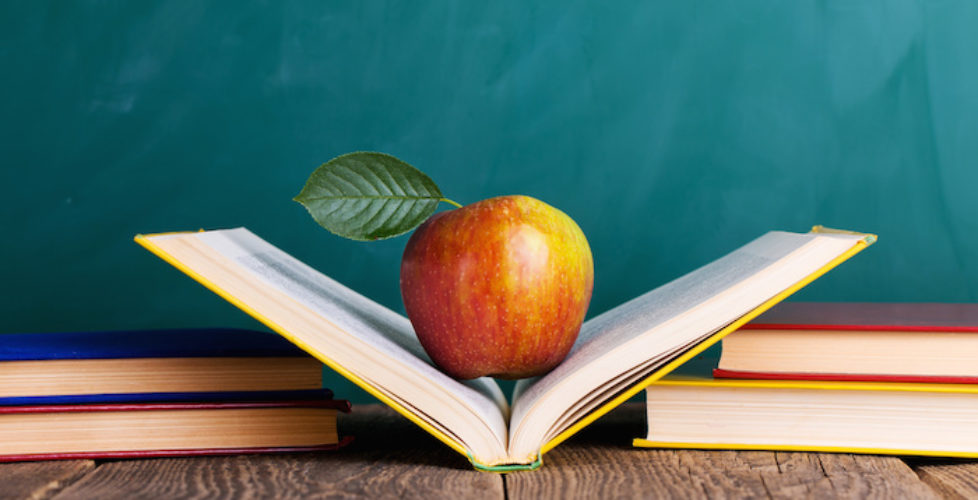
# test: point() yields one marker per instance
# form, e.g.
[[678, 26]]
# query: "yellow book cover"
[[886, 418], [618, 352]]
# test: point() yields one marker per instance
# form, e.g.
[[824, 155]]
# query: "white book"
[[617, 354], [881, 418]]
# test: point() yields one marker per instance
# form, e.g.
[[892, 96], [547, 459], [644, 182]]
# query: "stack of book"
[[839, 377], [160, 393]]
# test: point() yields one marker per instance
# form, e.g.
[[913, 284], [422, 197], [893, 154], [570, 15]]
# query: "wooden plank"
[[600, 462], [956, 479], [828, 475], [40, 480], [391, 457]]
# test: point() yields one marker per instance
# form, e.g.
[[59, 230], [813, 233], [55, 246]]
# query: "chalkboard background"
[[672, 132]]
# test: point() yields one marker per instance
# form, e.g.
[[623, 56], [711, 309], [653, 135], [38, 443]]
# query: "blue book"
[[169, 397], [150, 365], [173, 343]]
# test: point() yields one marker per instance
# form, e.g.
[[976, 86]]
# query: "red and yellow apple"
[[497, 288]]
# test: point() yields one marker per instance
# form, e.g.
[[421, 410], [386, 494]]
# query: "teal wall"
[[671, 131]]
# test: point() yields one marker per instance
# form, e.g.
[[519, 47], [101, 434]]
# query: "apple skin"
[[497, 288]]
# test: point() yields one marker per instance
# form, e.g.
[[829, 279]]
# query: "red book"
[[51, 432], [880, 342]]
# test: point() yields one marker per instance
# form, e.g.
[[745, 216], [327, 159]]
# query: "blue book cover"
[[169, 397], [172, 343]]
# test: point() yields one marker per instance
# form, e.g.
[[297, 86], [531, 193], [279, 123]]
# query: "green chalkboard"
[[671, 131]]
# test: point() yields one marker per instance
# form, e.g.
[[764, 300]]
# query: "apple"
[[497, 288]]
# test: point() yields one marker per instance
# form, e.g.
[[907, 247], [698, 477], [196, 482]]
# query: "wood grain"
[[600, 462], [40, 480], [390, 458], [828, 475], [956, 479], [393, 458]]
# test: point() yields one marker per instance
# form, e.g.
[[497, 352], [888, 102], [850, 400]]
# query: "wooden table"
[[393, 458]]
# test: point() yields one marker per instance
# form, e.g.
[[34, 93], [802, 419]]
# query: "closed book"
[[895, 342], [117, 430], [152, 361], [849, 417]]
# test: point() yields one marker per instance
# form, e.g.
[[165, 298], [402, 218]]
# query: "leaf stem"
[[446, 200]]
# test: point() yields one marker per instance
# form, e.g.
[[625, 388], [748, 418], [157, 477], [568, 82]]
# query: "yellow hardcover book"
[[885, 418], [618, 353]]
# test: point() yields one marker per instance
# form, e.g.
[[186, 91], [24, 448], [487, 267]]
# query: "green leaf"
[[369, 196]]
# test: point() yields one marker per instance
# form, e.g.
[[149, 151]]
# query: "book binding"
[[502, 469]]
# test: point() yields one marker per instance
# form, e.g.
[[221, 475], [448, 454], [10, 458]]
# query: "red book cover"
[[911, 317], [862, 316], [339, 405]]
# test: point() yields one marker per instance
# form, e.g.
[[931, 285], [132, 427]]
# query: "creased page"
[[670, 317], [384, 330]]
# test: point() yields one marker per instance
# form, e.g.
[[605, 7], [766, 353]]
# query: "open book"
[[617, 354]]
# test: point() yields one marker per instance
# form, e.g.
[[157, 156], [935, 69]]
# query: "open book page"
[[369, 340], [623, 345]]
